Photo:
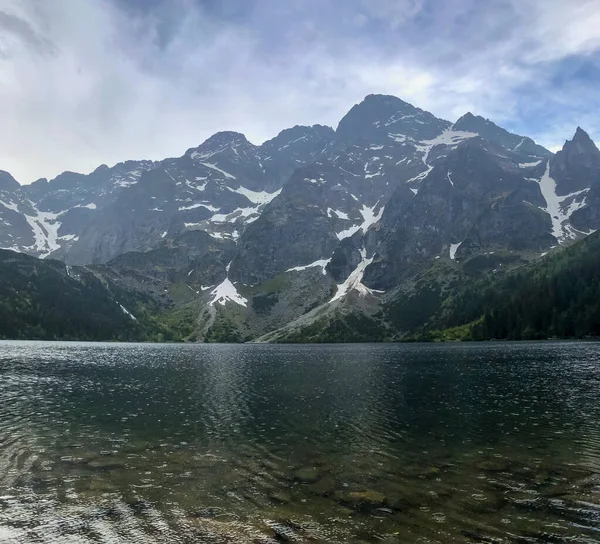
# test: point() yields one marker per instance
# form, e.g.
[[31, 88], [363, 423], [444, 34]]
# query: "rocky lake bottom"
[[332, 444]]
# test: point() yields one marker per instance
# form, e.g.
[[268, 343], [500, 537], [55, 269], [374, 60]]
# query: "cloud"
[[85, 82]]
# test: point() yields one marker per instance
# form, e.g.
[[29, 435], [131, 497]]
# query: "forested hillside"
[[557, 297], [45, 300]]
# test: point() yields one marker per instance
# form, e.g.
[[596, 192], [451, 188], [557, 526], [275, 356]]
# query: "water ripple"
[[261, 444]]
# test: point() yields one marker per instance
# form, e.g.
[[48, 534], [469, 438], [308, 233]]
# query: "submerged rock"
[[325, 487], [360, 500], [281, 497], [494, 465], [307, 475], [107, 463]]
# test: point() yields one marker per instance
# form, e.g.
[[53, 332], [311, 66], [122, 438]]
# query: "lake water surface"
[[252, 443]]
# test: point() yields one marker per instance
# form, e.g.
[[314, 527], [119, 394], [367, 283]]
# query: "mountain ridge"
[[314, 217]]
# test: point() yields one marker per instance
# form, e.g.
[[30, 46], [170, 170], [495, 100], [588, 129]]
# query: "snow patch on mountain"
[[448, 137], [454, 249], [217, 169], [199, 187], [398, 138], [369, 219], [347, 232], [233, 216], [132, 177], [557, 209], [354, 280], [451, 138], [530, 164], [45, 227], [419, 177], [292, 142], [10, 206], [256, 197], [339, 214], [225, 292], [127, 312], [209, 207], [321, 262]]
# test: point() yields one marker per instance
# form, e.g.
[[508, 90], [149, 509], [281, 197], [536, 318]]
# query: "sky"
[[90, 82]]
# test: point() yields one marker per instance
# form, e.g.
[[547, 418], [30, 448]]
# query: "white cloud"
[[87, 82]]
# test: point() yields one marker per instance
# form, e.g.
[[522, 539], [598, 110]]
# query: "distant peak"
[[299, 133], [467, 117], [7, 182], [220, 142], [581, 135], [382, 97], [385, 101], [305, 129], [581, 143], [471, 121], [226, 136]]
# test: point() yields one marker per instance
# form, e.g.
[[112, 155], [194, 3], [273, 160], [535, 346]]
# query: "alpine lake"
[[415, 443]]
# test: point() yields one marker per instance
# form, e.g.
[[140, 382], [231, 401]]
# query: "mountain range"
[[368, 229]]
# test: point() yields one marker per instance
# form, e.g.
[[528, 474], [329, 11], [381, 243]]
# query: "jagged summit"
[[577, 165], [583, 141], [579, 147]]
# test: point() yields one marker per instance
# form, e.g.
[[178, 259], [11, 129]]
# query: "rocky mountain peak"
[[299, 135], [387, 100], [222, 142], [577, 165], [580, 150], [101, 169], [467, 120], [374, 108], [225, 137], [67, 180], [478, 124], [581, 144], [7, 182], [490, 131], [378, 116]]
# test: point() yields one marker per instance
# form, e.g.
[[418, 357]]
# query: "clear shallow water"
[[205, 443]]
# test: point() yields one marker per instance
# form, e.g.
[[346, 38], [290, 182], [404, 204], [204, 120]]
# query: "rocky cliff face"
[[314, 220]]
